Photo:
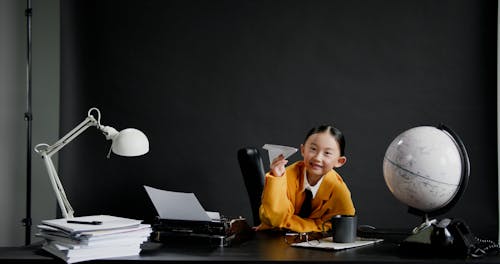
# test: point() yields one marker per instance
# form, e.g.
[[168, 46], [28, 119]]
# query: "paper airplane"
[[276, 150]]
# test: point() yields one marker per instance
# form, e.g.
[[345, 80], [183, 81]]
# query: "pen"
[[84, 222]]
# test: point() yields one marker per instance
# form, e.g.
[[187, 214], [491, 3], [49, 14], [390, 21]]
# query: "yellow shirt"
[[283, 196]]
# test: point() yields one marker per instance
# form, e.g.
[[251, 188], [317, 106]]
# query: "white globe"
[[423, 168]]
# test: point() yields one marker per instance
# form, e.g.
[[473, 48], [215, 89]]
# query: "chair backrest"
[[253, 173]]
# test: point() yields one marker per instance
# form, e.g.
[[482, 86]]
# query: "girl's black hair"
[[335, 132]]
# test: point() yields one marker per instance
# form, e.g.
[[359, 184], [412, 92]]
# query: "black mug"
[[344, 228]]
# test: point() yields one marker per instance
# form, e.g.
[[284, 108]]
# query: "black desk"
[[265, 247]]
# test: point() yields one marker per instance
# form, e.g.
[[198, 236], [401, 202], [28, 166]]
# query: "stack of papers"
[[93, 237]]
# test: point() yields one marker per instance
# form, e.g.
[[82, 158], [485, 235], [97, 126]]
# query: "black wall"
[[204, 78]]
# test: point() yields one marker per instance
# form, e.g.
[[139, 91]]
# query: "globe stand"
[[427, 223], [421, 235]]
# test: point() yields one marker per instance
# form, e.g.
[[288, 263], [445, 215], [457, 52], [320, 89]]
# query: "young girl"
[[285, 190]]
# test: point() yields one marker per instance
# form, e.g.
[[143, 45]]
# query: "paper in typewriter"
[[178, 205]]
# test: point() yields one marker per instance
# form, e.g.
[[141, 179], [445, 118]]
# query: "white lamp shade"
[[130, 142]]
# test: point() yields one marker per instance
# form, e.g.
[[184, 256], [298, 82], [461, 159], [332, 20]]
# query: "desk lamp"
[[128, 142]]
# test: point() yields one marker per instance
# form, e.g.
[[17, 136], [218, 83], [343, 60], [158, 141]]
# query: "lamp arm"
[[66, 209], [47, 151], [75, 132]]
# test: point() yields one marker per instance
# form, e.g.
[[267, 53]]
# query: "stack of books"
[[93, 237]]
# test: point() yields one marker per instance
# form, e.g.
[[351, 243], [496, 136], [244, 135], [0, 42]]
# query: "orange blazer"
[[283, 196]]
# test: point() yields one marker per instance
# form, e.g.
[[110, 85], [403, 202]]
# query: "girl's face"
[[321, 154]]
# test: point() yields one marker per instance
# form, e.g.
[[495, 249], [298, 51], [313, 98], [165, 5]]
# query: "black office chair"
[[252, 169]]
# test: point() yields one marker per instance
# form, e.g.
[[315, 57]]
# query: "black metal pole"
[[28, 117]]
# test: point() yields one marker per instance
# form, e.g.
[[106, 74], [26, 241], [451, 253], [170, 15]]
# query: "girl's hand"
[[278, 166]]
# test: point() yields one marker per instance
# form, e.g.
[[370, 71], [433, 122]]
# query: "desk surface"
[[264, 247]]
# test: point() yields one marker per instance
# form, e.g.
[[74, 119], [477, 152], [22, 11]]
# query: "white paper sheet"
[[327, 243], [177, 205], [276, 150]]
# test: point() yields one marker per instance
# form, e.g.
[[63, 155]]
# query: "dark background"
[[204, 78]]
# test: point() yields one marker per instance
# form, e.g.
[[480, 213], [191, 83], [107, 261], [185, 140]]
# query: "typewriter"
[[220, 233], [197, 225]]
